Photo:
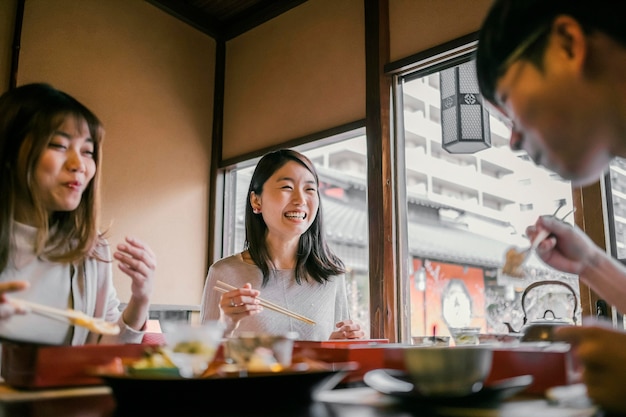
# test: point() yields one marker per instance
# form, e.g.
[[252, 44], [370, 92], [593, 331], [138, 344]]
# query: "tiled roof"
[[347, 225], [344, 223], [455, 245]]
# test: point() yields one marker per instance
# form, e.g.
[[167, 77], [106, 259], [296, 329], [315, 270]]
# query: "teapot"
[[541, 330]]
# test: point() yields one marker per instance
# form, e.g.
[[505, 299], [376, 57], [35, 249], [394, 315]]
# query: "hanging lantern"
[[464, 120]]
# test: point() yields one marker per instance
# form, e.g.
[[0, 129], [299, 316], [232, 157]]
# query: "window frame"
[[430, 61], [591, 212]]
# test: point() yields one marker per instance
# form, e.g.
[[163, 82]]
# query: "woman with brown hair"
[[51, 250]]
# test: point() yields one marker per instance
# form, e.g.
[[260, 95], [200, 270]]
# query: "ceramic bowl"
[[192, 347], [448, 371], [260, 352]]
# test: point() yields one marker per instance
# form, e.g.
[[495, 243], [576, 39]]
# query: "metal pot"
[[542, 329]]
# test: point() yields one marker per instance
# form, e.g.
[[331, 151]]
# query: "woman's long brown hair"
[[29, 115]]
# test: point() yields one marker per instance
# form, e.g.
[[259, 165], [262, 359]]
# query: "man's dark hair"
[[509, 23]]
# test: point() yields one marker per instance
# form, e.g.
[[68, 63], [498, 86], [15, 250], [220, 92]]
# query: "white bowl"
[[192, 347], [448, 371]]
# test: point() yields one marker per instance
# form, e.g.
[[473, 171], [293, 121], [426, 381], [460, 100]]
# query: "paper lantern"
[[464, 120]]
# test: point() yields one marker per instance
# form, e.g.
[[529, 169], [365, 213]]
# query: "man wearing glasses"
[[557, 70]]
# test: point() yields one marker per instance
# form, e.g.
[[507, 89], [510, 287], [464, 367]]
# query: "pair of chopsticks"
[[543, 234], [74, 317], [224, 287]]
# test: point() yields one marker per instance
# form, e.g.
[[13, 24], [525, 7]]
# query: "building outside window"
[[615, 190], [463, 212]]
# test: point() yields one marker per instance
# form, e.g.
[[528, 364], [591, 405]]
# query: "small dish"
[[192, 347], [261, 352], [397, 383]]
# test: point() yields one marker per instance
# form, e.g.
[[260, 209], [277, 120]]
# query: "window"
[[615, 190], [463, 211], [341, 163]]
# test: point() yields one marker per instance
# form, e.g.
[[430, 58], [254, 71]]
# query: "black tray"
[[252, 392]]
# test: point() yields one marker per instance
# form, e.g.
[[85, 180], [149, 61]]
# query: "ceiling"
[[225, 19]]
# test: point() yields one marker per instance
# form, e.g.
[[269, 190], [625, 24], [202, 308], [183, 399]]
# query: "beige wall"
[[149, 77], [416, 25], [304, 71], [300, 73]]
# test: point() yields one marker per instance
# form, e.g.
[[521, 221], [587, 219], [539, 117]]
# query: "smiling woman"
[[285, 257], [50, 245], [64, 169]]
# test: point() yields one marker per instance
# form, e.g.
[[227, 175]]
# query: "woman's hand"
[[7, 309], [567, 248], [137, 260], [238, 304], [347, 329], [599, 349]]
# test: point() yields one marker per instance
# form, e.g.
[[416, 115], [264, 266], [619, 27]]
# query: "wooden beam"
[[589, 216], [216, 186], [382, 242]]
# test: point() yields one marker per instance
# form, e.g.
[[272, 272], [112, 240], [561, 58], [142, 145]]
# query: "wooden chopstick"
[[276, 308], [74, 317], [267, 304]]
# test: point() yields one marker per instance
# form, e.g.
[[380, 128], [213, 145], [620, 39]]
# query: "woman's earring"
[[256, 211]]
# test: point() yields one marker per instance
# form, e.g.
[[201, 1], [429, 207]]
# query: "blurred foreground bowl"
[[259, 352], [448, 371], [192, 347]]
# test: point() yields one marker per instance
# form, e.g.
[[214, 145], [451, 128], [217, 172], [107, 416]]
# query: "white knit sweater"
[[326, 304], [85, 286]]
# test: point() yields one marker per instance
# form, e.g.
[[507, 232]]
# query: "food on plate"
[[155, 358], [220, 368], [513, 263], [263, 360], [195, 347]]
